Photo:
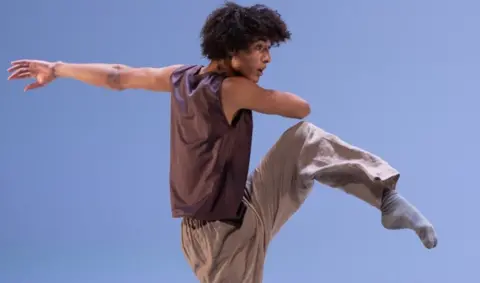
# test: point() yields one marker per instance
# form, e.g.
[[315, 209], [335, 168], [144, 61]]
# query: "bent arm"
[[241, 93], [117, 76]]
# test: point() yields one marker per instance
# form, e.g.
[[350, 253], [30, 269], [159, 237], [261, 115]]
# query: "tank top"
[[209, 158]]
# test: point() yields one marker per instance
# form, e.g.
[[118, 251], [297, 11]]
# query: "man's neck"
[[218, 67]]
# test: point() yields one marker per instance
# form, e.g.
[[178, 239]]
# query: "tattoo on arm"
[[113, 79]]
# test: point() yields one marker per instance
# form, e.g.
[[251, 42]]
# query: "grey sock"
[[398, 213]]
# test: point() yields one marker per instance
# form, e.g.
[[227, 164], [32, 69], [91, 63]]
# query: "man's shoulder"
[[235, 84], [180, 70], [239, 89]]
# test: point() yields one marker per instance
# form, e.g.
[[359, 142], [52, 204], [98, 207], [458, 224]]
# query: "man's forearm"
[[101, 75]]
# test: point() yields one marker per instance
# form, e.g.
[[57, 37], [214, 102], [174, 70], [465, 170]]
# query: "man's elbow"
[[121, 78], [115, 79], [303, 110], [118, 76], [307, 110]]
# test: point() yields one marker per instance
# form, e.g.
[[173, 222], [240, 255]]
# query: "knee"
[[305, 125], [301, 131], [304, 128]]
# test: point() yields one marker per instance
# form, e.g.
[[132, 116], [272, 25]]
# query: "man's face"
[[252, 62]]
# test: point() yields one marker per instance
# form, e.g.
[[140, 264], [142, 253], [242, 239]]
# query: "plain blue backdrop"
[[84, 193]]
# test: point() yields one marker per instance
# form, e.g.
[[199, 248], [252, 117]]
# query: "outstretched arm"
[[112, 76], [118, 77]]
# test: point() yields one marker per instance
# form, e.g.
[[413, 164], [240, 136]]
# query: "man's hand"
[[42, 71]]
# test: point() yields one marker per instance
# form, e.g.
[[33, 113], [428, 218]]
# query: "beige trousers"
[[219, 252]]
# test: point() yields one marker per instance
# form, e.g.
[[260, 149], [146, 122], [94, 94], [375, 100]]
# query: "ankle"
[[388, 197]]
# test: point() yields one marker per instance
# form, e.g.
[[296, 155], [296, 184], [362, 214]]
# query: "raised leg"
[[305, 154]]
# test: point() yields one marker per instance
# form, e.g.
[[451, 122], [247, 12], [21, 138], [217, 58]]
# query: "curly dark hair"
[[232, 28]]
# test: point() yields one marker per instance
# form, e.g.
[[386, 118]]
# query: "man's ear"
[[230, 56]]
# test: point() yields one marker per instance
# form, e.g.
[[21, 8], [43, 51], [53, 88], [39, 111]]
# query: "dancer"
[[230, 216]]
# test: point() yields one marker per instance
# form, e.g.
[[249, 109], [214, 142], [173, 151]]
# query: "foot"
[[398, 213]]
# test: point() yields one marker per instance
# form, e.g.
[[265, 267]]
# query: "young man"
[[229, 216]]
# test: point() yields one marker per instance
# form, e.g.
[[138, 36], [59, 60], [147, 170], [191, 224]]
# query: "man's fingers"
[[16, 67], [22, 62], [33, 86], [19, 74]]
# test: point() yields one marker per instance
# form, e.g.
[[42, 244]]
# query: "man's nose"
[[266, 57]]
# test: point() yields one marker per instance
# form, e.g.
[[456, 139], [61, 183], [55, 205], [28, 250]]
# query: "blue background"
[[84, 191]]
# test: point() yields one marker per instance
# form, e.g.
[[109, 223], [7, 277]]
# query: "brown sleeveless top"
[[209, 159]]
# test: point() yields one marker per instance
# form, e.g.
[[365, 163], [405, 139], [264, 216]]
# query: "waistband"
[[194, 223]]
